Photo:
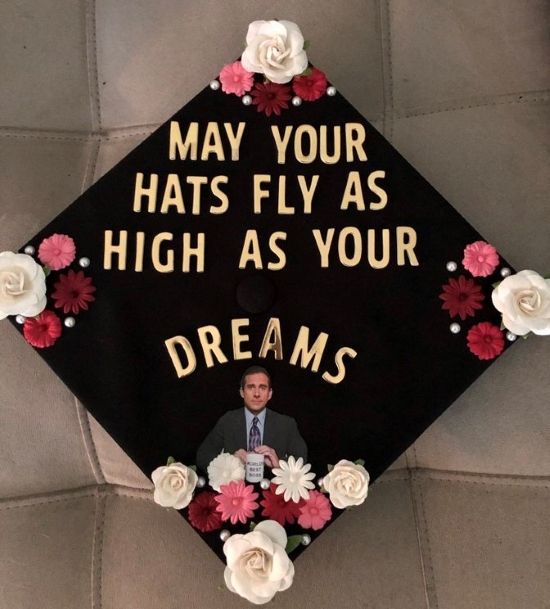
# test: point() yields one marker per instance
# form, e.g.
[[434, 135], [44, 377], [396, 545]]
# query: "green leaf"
[[496, 284], [46, 270], [360, 462], [170, 461], [307, 44], [193, 467], [306, 72], [252, 526], [292, 543], [526, 336], [330, 467]]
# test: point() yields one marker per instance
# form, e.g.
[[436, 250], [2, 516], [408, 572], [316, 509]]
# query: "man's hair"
[[254, 370]]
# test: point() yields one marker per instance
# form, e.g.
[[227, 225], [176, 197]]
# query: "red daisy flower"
[[271, 97], [73, 292], [43, 330], [485, 340], [202, 512], [310, 87], [276, 508], [461, 297]]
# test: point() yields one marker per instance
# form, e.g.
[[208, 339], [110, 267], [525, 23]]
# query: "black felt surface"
[[409, 367]]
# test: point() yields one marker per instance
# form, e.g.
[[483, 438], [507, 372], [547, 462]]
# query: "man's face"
[[256, 392]]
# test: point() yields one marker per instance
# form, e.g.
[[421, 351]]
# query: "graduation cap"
[[269, 224]]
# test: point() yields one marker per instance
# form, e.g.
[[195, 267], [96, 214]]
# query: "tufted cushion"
[[462, 90]]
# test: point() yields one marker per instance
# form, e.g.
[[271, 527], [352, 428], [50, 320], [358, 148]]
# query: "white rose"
[[347, 484], [257, 564], [174, 485], [223, 469], [276, 49], [524, 301], [22, 286]]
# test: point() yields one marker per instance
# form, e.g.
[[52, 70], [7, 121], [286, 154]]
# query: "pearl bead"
[[296, 101], [306, 539], [69, 322], [214, 85], [320, 482], [451, 266], [505, 271], [20, 319], [510, 336], [246, 99], [201, 482], [84, 262], [331, 91], [29, 250], [454, 328], [265, 484], [225, 534]]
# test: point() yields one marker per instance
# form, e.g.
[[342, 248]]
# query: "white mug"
[[254, 467]]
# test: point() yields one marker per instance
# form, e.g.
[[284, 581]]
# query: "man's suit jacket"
[[229, 434]]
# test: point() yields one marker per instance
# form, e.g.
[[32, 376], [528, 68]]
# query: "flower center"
[[481, 258]]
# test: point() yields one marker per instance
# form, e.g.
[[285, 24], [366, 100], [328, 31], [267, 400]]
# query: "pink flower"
[[235, 79], [480, 258], [236, 501], [485, 340], [43, 330], [57, 251], [315, 512]]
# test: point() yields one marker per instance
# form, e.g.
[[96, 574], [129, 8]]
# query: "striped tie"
[[254, 439]]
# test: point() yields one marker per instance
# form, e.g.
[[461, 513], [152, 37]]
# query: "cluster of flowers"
[[23, 289], [257, 562], [523, 300], [273, 68]]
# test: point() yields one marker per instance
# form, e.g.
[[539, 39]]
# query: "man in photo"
[[254, 428]]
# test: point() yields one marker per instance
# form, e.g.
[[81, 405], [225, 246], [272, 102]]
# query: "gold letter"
[[172, 195], [371, 250], [307, 193], [238, 338], [325, 157], [140, 242], [212, 142], [406, 246], [274, 343], [277, 266], [217, 192], [191, 141], [323, 247], [339, 360], [197, 182], [251, 250], [355, 143], [260, 194], [168, 266], [110, 249], [189, 251], [353, 192], [357, 246], [302, 350], [234, 140], [281, 143], [212, 346], [298, 149], [171, 344], [150, 193], [377, 190]]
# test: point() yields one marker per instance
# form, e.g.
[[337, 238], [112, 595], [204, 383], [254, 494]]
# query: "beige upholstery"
[[461, 88]]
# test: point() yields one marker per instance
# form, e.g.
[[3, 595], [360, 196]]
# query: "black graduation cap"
[[299, 241]]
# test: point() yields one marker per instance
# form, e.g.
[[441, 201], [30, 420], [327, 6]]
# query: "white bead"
[[331, 91], [246, 99], [451, 266], [20, 319], [214, 85], [510, 336], [454, 328], [505, 271], [265, 484], [306, 539], [320, 482], [84, 262], [201, 482], [225, 534], [296, 101], [29, 250], [69, 322]]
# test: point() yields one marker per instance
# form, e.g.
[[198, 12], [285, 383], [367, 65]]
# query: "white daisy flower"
[[292, 479]]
